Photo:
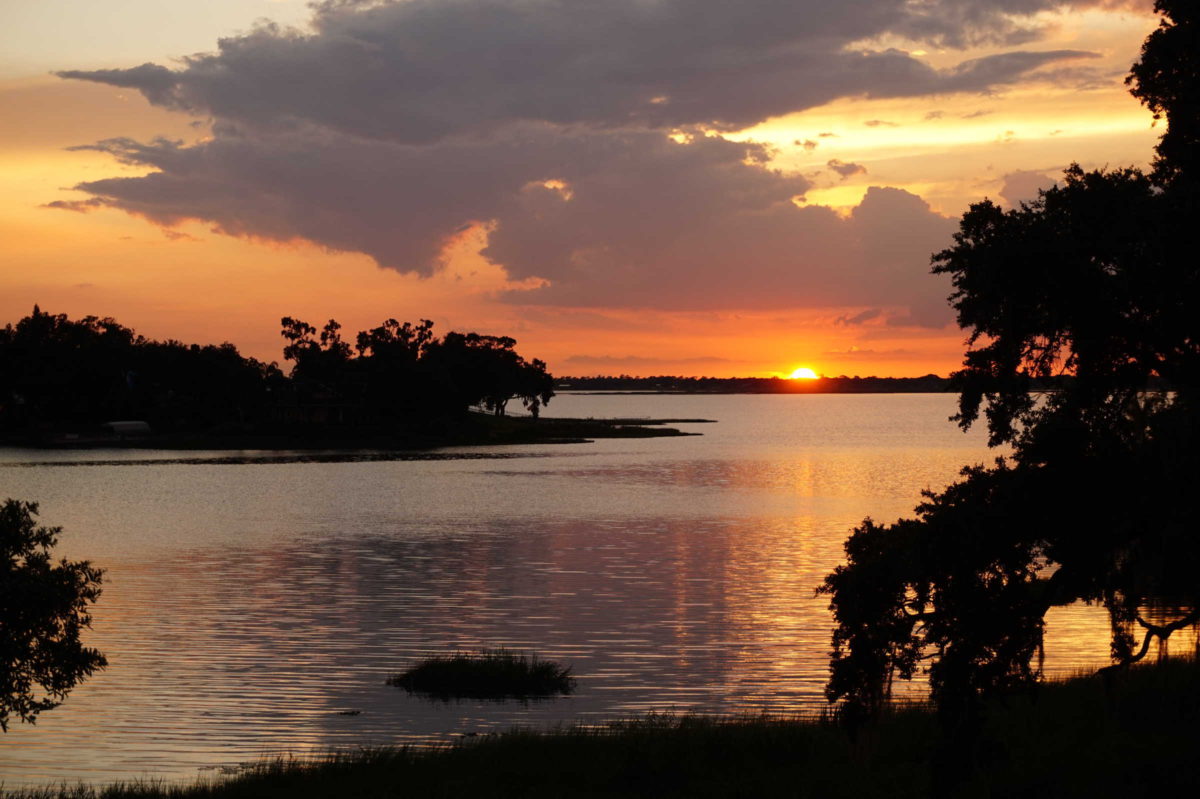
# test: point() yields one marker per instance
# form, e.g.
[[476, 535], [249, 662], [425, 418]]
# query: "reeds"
[[1134, 735]]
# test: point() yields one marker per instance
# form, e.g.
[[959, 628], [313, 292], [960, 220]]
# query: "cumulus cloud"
[[582, 136], [777, 256], [1024, 184]]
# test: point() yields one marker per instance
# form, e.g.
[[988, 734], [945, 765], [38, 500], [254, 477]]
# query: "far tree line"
[[58, 373], [927, 384]]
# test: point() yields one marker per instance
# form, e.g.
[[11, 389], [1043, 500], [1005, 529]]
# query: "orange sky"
[[189, 282]]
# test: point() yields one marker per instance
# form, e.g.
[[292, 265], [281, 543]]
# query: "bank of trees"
[[1098, 280], [58, 373]]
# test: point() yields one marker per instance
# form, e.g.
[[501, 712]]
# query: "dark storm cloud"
[[387, 128]]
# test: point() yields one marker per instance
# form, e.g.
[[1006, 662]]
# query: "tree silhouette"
[[1165, 79], [403, 370], [43, 609], [56, 371], [1097, 282]]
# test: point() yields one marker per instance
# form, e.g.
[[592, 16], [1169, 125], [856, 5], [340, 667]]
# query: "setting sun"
[[803, 373]]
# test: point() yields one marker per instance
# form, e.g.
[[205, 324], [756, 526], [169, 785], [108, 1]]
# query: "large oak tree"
[[1093, 288]]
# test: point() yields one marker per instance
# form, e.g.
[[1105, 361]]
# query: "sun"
[[803, 373]]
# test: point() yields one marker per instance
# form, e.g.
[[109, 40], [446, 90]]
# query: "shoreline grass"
[[1134, 735], [486, 674]]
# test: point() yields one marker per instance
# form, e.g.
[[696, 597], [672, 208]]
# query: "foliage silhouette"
[[1094, 284], [56, 372], [43, 610], [401, 369], [1164, 80], [61, 379]]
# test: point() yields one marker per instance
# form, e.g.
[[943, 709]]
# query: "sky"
[[695, 187]]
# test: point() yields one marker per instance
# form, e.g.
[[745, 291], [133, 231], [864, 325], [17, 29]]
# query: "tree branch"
[[1162, 632]]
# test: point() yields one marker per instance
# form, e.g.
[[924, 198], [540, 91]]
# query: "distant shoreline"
[[624, 384]]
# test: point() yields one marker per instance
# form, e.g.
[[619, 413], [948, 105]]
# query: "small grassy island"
[[487, 674]]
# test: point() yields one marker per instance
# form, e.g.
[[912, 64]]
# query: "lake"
[[254, 603]]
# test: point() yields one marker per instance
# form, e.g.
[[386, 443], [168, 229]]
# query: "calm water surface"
[[254, 603]]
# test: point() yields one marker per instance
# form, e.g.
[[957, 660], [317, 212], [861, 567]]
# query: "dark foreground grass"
[[487, 674], [1137, 735]]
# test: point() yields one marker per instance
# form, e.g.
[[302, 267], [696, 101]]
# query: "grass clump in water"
[[486, 674]]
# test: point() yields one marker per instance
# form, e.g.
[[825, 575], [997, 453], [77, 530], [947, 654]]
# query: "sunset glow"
[[804, 373], [670, 229]]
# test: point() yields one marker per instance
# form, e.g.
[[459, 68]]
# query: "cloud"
[[932, 115], [807, 144], [609, 219], [881, 123], [778, 256], [846, 169], [859, 318], [855, 352], [582, 137], [421, 70], [402, 203], [78, 206], [614, 362], [1023, 185]]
